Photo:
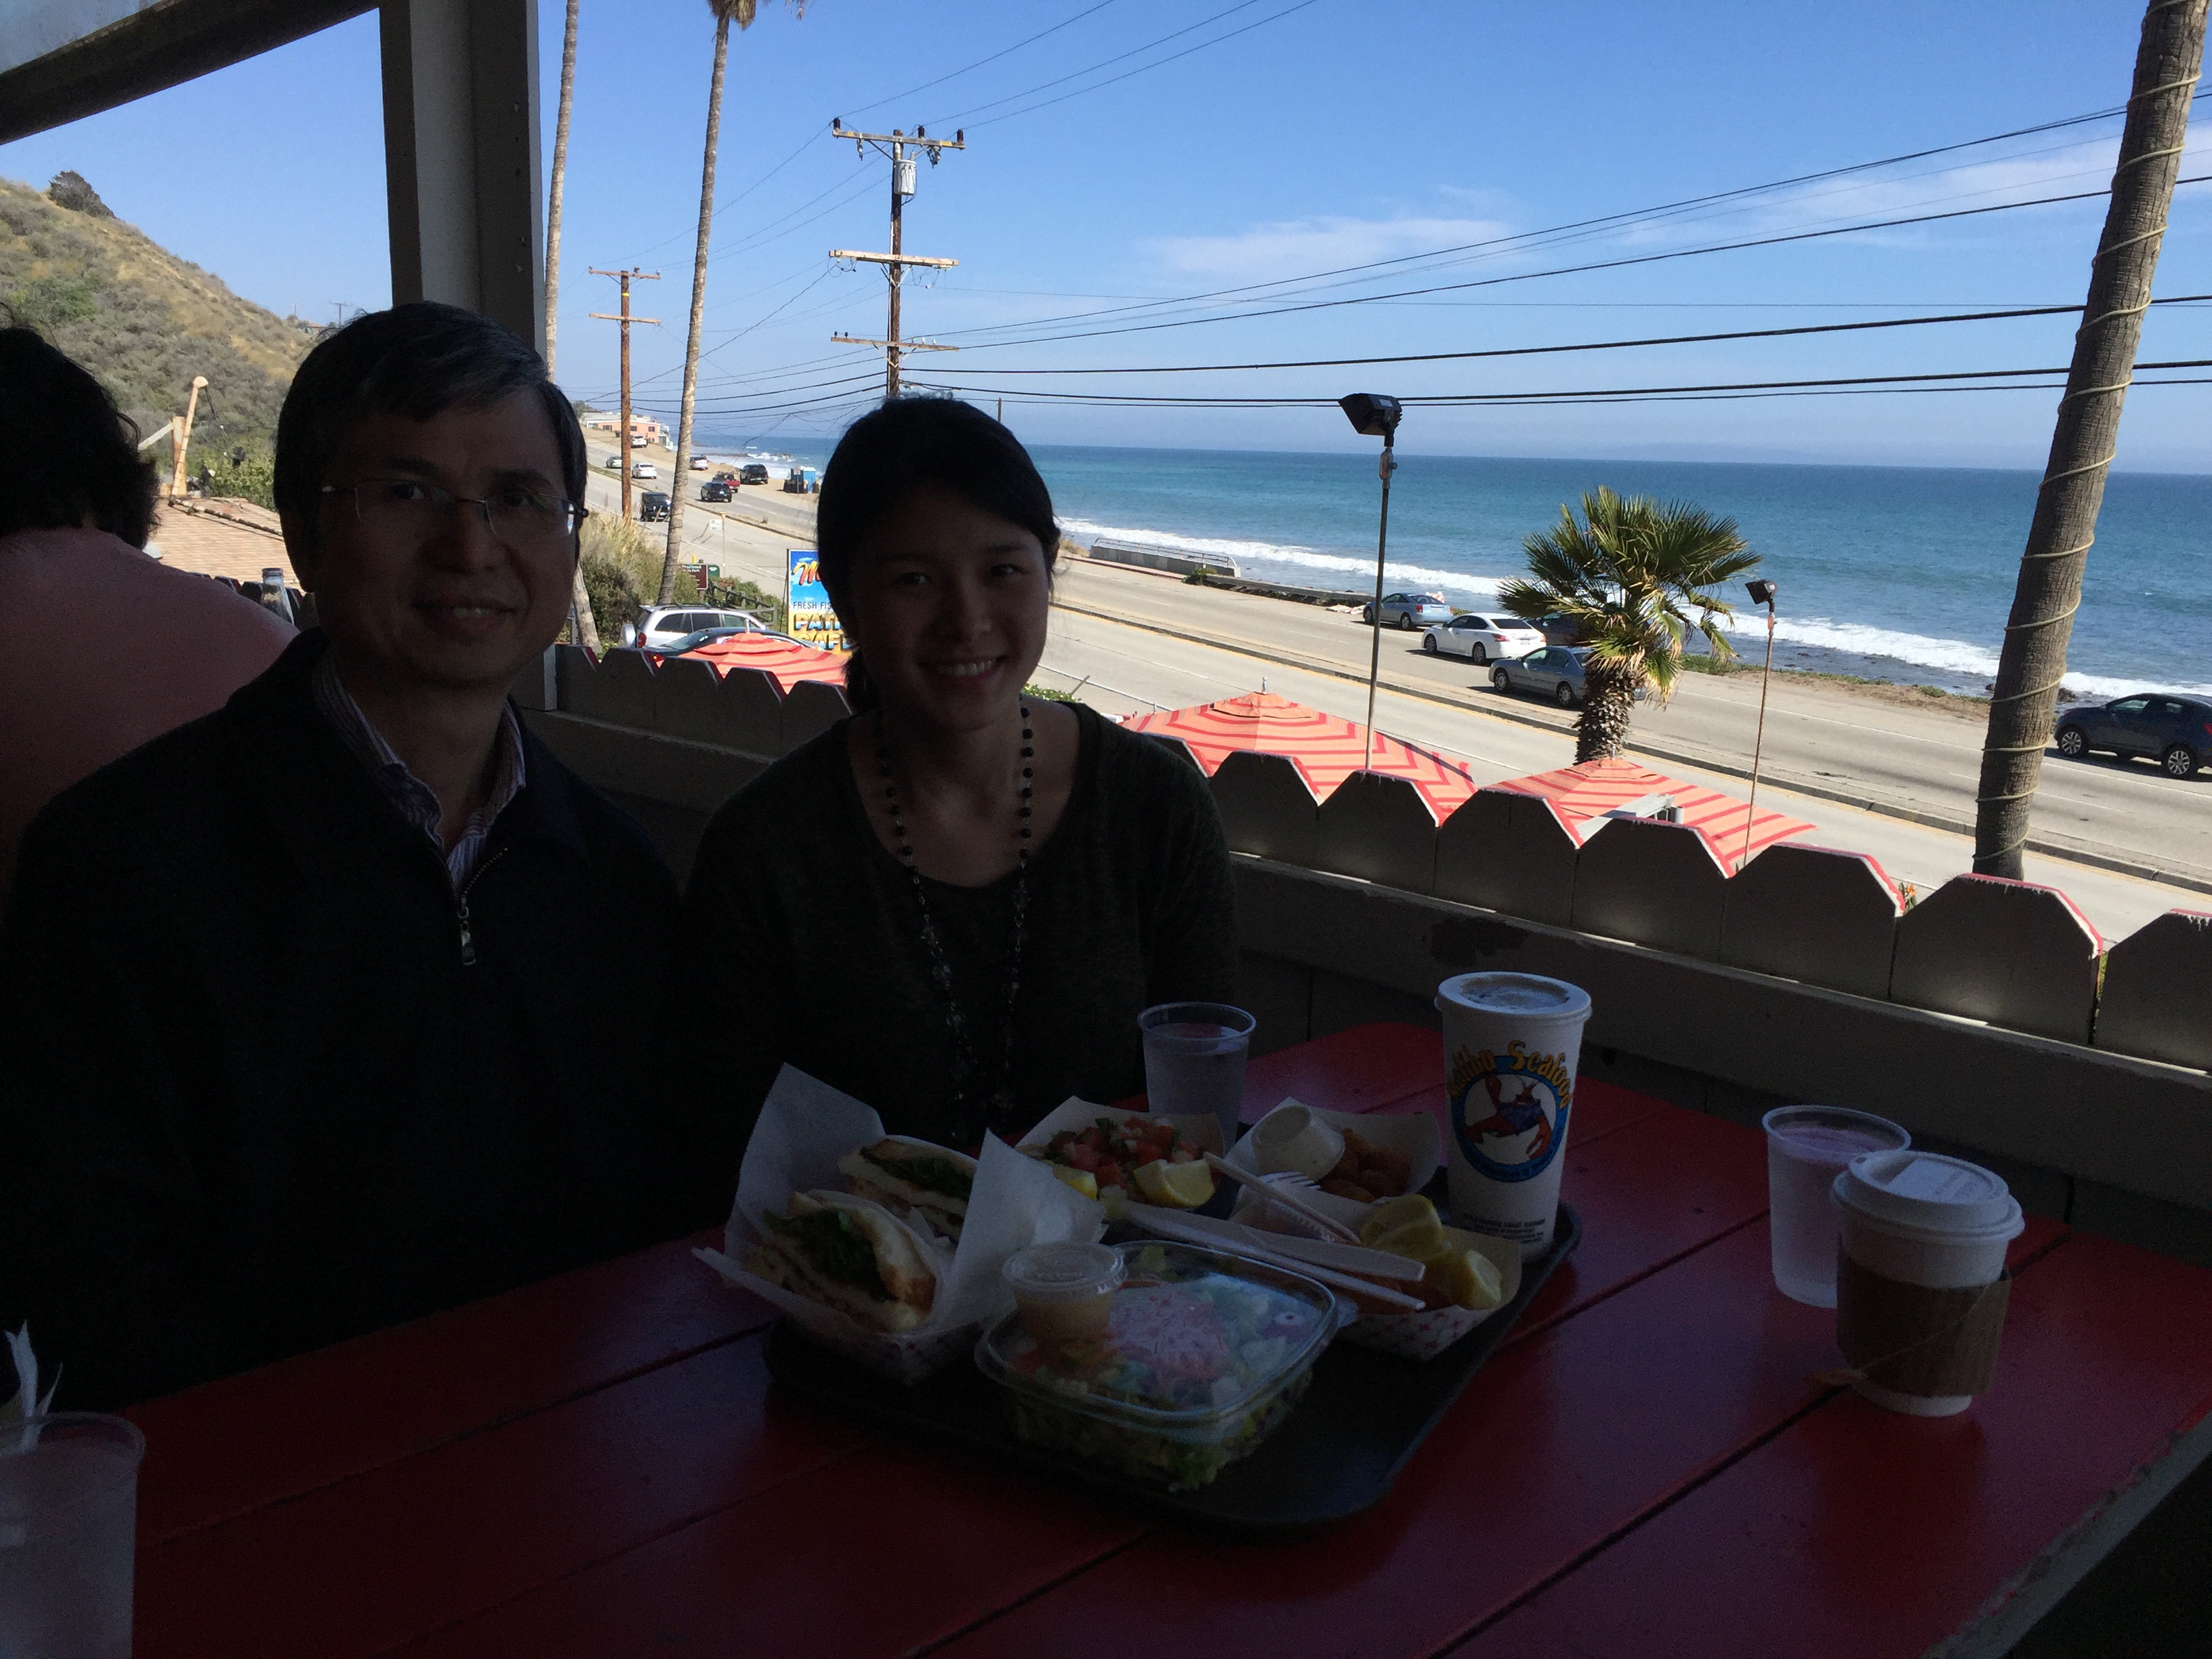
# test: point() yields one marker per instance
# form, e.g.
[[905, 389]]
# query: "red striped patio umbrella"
[[1584, 793], [1325, 748], [787, 660]]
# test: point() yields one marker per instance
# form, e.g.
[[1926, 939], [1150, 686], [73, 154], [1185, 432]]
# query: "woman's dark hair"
[[907, 445], [71, 455], [415, 361]]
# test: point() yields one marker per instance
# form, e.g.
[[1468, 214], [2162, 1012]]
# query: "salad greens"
[[828, 1240]]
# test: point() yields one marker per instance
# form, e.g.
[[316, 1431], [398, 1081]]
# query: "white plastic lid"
[[1928, 1193], [1503, 992]]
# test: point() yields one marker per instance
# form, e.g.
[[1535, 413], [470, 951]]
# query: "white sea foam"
[[1285, 553], [1926, 651]]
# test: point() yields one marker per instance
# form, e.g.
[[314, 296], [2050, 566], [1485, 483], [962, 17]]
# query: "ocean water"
[[1898, 573]]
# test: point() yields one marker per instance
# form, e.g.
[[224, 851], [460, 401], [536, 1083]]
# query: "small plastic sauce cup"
[[1291, 1138], [1065, 1292]]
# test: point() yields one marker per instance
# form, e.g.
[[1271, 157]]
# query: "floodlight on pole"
[[1374, 416], [1762, 593]]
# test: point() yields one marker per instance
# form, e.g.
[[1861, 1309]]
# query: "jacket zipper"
[[461, 909]]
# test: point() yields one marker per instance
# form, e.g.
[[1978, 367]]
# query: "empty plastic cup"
[[69, 1533], [1806, 1147], [1194, 1056]]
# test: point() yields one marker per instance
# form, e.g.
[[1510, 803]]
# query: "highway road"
[[1135, 640]]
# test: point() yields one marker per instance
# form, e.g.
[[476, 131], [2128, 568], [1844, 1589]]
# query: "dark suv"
[[2175, 731], [653, 507], [753, 472], [717, 490]]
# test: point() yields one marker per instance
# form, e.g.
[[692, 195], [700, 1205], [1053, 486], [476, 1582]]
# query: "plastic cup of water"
[[69, 1534], [1805, 1147], [1194, 1055]]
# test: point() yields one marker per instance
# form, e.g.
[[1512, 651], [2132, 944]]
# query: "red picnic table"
[[597, 1465]]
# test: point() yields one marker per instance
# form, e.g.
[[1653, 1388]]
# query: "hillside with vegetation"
[[144, 321]]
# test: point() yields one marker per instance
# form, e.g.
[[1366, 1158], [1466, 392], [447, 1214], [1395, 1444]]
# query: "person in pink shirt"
[[101, 648]]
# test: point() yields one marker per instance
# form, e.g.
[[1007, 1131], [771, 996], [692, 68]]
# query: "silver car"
[[1556, 673], [1409, 610]]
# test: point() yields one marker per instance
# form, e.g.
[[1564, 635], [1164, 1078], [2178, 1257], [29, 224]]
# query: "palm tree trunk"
[[588, 628], [2034, 661], [1609, 702], [698, 304]]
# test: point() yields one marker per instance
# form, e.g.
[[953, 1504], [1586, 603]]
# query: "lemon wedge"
[[1466, 1278], [1417, 1241], [1174, 1186], [1082, 1180], [1393, 1212]]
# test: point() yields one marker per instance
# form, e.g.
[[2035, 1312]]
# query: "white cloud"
[[1292, 247]]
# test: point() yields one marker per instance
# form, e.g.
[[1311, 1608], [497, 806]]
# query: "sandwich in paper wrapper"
[[798, 1164]]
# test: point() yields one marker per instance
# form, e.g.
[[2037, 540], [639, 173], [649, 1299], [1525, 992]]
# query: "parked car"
[[1556, 673], [1409, 609], [637, 440], [1558, 630], [718, 489], [700, 464], [662, 625], [2175, 731], [753, 472], [643, 470], [1483, 637], [614, 462], [653, 507], [692, 641]]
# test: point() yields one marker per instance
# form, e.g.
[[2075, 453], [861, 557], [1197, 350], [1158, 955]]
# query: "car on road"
[[755, 472], [653, 507], [1483, 638], [700, 464], [2175, 731], [661, 626], [718, 489], [643, 470], [614, 462], [1409, 609], [1556, 673]]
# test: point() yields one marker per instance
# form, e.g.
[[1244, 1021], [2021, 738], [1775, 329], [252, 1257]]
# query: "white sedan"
[[644, 469], [1484, 638]]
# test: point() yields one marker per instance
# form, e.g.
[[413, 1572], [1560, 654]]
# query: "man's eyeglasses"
[[409, 507]]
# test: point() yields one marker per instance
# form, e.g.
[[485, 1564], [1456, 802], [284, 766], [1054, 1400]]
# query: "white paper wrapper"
[[804, 1127], [1426, 1334]]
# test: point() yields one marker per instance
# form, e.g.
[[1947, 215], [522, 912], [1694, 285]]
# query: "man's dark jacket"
[[253, 1099]]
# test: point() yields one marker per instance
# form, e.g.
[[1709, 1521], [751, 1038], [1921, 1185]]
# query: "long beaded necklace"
[[969, 1122]]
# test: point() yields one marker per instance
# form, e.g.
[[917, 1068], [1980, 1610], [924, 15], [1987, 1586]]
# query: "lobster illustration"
[[1516, 1116]]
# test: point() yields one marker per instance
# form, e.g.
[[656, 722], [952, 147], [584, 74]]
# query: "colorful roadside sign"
[[811, 617]]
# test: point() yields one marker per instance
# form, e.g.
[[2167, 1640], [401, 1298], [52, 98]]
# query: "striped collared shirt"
[[416, 801]]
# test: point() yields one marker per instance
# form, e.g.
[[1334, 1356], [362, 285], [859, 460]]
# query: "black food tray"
[[1337, 1454]]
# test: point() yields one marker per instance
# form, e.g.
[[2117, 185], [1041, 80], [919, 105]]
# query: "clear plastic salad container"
[[1204, 1356]]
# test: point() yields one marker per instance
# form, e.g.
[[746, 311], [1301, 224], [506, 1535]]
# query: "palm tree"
[[587, 631], [727, 12], [1625, 578]]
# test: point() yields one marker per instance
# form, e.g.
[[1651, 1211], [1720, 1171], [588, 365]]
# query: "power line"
[[1601, 345], [1522, 276], [1002, 52]]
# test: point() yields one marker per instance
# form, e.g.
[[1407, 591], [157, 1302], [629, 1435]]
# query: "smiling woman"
[[954, 904]]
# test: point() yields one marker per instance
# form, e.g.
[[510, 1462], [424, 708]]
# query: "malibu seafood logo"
[[1509, 1111]]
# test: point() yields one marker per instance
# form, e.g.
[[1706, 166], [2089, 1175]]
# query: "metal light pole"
[[1373, 416], [1762, 593]]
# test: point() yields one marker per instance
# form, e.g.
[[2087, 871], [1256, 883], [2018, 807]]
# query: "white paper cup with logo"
[[1920, 1277], [1512, 1044]]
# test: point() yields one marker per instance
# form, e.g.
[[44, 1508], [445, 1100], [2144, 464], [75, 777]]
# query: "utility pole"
[[625, 319], [895, 144], [184, 438]]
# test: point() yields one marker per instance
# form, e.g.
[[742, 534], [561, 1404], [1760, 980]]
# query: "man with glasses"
[[317, 1014]]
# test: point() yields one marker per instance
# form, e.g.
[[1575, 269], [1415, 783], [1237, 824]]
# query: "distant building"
[[640, 426]]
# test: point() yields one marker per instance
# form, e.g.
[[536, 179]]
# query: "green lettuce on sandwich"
[[912, 1178], [850, 1254]]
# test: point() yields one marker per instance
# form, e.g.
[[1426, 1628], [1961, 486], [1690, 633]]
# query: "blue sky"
[[1328, 135]]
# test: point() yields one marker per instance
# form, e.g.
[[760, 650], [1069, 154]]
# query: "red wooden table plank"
[[1561, 1438], [1859, 1532], [885, 1553], [234, 1445], [355, 1567], [1352, 1071]]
